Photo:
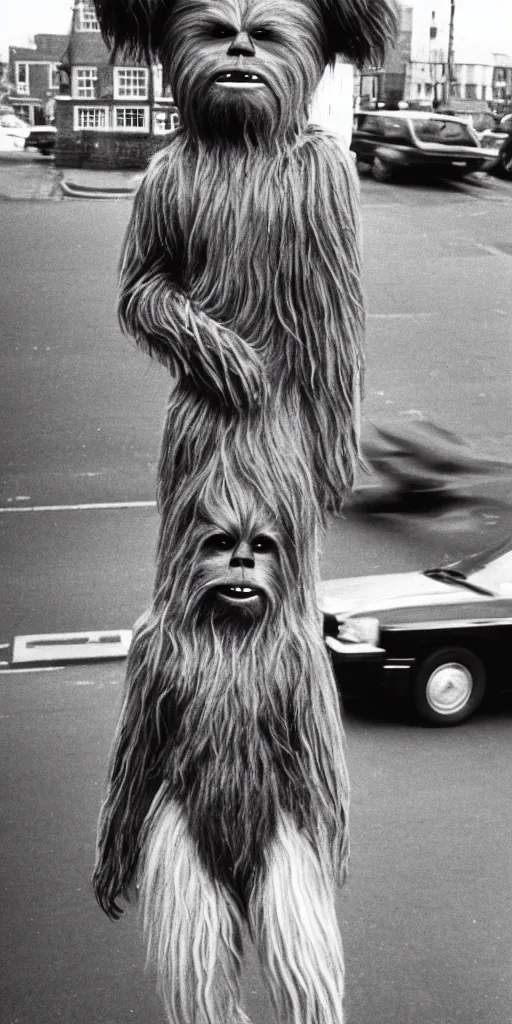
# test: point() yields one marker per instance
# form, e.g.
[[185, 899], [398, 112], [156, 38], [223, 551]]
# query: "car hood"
[[367, 595]]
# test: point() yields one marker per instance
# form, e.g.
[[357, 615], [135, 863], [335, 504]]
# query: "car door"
[[367, 136]]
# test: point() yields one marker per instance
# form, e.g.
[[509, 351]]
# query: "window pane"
[[91, 117], [449, 133], [130, 117], [131, 83]]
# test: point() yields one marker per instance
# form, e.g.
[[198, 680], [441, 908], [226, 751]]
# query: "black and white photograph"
[[256, 512]]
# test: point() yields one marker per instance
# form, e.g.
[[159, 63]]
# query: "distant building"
[[108, 114], [502, 83], [385, 85], [34, 78]]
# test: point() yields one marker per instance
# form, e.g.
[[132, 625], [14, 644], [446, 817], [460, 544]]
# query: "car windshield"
[[490, 569], [448, 133]]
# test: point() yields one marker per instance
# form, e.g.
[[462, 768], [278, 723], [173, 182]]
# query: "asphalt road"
[[427, 913]]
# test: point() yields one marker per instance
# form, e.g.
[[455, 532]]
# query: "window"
[[22, 79], [131, 119], [449, 133], [84, 83], [91, 117], [395, 129], [54, 76], [370, 124], [86, 20], [130, 83], [23, 111], [165, 121]]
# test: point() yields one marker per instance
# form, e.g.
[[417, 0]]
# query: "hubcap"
[[449, 688]]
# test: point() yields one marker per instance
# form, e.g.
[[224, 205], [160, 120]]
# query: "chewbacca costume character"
[[241, 266], [227, 797]]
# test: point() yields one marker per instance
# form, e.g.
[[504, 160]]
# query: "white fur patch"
[[293, 919], [191, 925]]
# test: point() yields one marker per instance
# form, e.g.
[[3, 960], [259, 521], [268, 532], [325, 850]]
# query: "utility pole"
[[449, 65]]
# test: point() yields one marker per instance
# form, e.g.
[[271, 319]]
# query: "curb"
[[92, 192]]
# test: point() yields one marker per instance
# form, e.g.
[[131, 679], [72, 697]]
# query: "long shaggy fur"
[[359, 29], [227, 796], [243, 275], [241, 725], [194, 929]]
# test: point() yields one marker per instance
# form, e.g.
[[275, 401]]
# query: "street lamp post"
[[449, 66]]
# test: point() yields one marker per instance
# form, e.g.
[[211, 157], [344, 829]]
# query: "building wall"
[[33, 76], [109, 114], [502, 82], [386, 84], [98, 150]]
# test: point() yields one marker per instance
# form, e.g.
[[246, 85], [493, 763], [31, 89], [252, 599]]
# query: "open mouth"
[[240, 80], [238, 592]]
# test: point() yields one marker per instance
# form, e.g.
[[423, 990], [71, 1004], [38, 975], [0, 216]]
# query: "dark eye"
[[220, 31], [261, 33], [220, 542], [263, 544]]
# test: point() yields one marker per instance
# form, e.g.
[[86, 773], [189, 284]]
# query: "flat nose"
[[242, 557], [242, 46]]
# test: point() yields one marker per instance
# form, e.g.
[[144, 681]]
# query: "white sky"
[[481, 26]]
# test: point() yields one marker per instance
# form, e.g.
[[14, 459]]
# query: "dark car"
[[441, 638], [42, 137], [397, 141]]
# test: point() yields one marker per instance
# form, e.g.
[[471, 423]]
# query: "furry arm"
[[135, 774], [155, 309]]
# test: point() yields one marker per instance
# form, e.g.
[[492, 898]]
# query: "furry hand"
[[223, 366]]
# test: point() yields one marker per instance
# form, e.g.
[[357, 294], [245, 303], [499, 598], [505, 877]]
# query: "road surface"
[[427, 912]]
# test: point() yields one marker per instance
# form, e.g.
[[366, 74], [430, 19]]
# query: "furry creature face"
[[240, 566], [241, 68], [238, 572], [289, 42]]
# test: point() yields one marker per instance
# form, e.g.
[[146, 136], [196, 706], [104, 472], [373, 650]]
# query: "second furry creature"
[[227, 796]]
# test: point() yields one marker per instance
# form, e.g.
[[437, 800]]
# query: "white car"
[[13, 132]]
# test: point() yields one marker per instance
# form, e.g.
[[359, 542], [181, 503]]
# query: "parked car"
[[499, 140], [440, 638], [396, 141], [43, 138], [13, 132]]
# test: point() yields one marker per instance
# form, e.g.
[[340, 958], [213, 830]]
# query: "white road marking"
[[99, 505], [96, 645], [22, 671], [399, 316], [493, 250]]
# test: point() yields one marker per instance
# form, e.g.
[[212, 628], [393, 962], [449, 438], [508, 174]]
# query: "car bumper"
[[362, 668]]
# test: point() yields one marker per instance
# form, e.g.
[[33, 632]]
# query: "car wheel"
[[506, 165], [449, 686], [363, 166], [381, 171]]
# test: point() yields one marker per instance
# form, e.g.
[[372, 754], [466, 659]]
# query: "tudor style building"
[[109, 113]]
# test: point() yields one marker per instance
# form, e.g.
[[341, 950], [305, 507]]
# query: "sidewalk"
[[28, 175]]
